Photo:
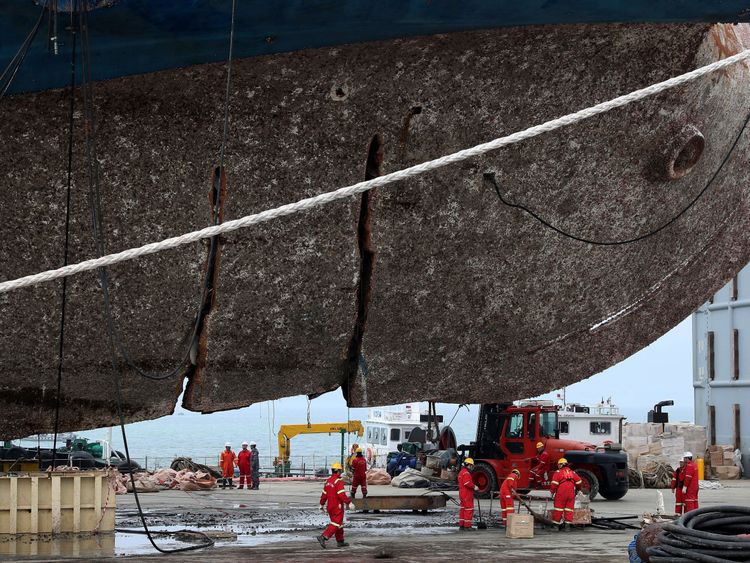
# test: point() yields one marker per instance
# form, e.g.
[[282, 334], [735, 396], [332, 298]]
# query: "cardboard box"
[[717, 459], [727, 472], [581, 516], [520, 526]]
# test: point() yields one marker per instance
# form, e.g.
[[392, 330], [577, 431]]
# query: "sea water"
[[202, 436]]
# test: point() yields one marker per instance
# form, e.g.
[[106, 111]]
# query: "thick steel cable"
[[360, 187]]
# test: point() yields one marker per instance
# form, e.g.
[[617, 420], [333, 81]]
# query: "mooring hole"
[[689, 155], [683, 152]]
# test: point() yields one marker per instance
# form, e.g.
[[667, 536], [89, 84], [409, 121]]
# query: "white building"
[[721, 365]]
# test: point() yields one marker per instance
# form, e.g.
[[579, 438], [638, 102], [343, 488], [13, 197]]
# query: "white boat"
[[387, 427], [596, 424]]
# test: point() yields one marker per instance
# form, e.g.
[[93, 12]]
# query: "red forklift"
[[506, 439]]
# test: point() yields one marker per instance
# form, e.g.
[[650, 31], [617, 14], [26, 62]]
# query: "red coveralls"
[[359, 475], [541, 468], [507, 491], [243, 462], [466, 497], [335, 494], [690, 479], [227, 461], [677, 490], [565, 481]]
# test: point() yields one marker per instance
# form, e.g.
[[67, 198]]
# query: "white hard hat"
[[227, 445], [252, 443], [243, 444], [687, 454]]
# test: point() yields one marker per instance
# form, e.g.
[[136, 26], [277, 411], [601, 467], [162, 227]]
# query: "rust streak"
[[373, 169], [211, 271]]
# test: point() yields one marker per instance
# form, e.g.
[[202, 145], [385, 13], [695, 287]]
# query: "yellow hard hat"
[[468, 461], [359, 450], [517, 472], [539, 445], [336, 466], [562, 461]]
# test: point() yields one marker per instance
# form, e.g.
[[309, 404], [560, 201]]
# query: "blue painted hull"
[[142, 36]]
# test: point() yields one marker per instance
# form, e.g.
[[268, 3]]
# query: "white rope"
[[341, 193]]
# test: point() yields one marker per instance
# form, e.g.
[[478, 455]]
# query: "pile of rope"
[[655, 476], [181, 463], [712, 534]]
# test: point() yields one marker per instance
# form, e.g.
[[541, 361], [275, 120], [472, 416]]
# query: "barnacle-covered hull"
[[428, 289]]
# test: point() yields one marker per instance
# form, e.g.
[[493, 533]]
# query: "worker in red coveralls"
[[541, 465], [466, 488], [508, 494], [690, 481], [359, 473], [334, 494], [564, 484], [227, 461], [677, 483], [243, 463]]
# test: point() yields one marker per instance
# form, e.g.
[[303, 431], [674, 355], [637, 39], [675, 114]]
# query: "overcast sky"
[[659, 372]]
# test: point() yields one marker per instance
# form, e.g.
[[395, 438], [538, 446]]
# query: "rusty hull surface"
[[463, 299]]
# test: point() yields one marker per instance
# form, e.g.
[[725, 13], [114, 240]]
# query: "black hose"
[[707, 535]]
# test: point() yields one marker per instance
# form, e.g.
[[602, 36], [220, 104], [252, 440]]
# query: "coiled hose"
[[708, 535]]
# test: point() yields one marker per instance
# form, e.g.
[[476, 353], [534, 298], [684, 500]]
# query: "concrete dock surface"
[[280, 522]]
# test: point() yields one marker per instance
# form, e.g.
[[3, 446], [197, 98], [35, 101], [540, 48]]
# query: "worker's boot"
[[322, 540], [566, 527], [561, 526], [342, 544], [223, 483]]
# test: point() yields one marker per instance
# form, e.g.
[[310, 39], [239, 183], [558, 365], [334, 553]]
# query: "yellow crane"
[[289, 431]]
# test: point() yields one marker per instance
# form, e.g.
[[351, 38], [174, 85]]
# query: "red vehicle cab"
[[506, 439]]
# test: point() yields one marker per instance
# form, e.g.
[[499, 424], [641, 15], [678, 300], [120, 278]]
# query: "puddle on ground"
[[124, 544]]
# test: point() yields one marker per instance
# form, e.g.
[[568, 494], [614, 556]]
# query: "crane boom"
[[289, 431]]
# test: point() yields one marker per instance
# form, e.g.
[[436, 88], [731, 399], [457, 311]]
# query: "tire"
[[590, 482], [82, 460], [125, 468], [484, 478], [17, 452], [612, 496]]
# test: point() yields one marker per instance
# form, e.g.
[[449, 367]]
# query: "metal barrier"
[[298, 466]]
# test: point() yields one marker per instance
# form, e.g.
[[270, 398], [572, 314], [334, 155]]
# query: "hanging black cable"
[[6, 78], [206, 292], [91, 170], [94, 203], [226, 94], [490, 177], [67, 233]]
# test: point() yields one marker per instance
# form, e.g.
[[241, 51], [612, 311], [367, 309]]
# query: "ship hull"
[[428, 289]]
